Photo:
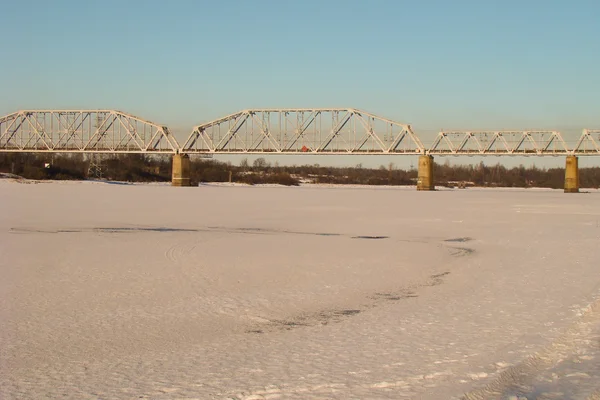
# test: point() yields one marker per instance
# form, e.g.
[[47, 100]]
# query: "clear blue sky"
[[435, 64]]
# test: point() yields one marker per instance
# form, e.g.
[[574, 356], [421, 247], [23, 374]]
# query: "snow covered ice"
[[236, 292]]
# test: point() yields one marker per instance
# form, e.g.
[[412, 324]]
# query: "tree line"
[[157, 168]]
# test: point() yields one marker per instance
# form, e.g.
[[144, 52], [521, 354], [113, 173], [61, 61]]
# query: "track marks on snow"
[[324, 317], [558, 366], [376, 299], [437, 279], [460, 251], [393, 296], [331, 316], [459, 239], [179, 252]]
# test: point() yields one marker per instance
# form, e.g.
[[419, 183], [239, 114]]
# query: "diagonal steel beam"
[[369, 133], [303, 127], [265, 131], [335, 131]]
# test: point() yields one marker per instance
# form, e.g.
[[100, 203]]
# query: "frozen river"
[[118, 291]]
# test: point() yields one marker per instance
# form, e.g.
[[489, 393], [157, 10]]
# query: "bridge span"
[[83, 131], [326, 131]]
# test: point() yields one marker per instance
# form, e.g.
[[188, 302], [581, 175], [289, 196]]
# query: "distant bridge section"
[[303, 130], [352, 131], [83, 131], [537, 143]]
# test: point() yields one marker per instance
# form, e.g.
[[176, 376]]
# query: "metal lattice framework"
[[84, 131], [589, 143], [312, 131], [512, 143], [499, 142], [279, 131]]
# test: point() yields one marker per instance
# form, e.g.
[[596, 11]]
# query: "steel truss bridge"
[[269, 131], [83, 131]]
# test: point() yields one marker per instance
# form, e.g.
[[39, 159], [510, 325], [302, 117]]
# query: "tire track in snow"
[[519, 377]]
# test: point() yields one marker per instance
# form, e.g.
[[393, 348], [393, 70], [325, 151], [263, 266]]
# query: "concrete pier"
[[425, 173], [181, 170], [572, 175]]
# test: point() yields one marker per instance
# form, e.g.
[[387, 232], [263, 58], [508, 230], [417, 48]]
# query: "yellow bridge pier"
[[425, 173], [572, 175], [181, 170]]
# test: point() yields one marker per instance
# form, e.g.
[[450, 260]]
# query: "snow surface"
[[237, 292]]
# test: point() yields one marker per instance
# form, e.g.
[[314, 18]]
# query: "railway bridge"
[[332, 131]]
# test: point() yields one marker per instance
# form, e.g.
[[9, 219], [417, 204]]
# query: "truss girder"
[[499, 143], [589, 142], [283, 131], [304, 130], [83, 131]]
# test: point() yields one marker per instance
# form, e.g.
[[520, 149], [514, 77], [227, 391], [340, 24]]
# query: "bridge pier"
[[425, 173], [572, 175], [181, 170]]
